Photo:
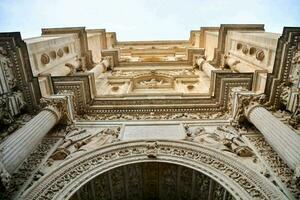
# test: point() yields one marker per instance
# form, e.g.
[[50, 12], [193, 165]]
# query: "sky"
[[145, 19]]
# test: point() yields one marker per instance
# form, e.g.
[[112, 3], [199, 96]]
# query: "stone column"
[[205, 66], [282, 138], [21, 143], [101, 67]]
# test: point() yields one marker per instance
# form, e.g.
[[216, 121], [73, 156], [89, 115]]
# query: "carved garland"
[[240, 181]]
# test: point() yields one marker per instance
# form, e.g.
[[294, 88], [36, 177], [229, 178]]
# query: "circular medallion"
[[260, 55], [45, 59], [245, 49], [60, 52]]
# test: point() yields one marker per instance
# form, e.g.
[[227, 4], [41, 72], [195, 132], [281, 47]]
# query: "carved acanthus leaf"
[[242, 102], [57, 105]]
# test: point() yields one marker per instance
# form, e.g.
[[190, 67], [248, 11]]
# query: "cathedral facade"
[[84, 116]]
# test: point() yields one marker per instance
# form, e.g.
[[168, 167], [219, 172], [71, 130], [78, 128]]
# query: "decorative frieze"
[[153, 116]]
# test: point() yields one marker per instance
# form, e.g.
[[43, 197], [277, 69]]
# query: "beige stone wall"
[[211, 42], [94, 43]]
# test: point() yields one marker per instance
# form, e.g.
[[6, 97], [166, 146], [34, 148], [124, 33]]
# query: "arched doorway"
[[235, 177], [152, 181]]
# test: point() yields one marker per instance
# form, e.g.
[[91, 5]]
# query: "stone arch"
[[152, 180], [235, 177]]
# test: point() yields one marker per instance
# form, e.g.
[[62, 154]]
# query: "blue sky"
[[145, 19]]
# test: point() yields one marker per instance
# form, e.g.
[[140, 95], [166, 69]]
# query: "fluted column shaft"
[[281, 137], [21, 143]]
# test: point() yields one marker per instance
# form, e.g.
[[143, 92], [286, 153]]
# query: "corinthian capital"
[[57, 105], [243, 101]]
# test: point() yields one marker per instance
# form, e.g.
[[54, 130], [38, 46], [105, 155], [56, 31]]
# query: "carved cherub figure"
[[196, 135], [233, 142], [152, 149]]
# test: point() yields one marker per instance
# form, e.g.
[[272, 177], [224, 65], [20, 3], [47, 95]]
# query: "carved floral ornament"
[[241, 182]]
